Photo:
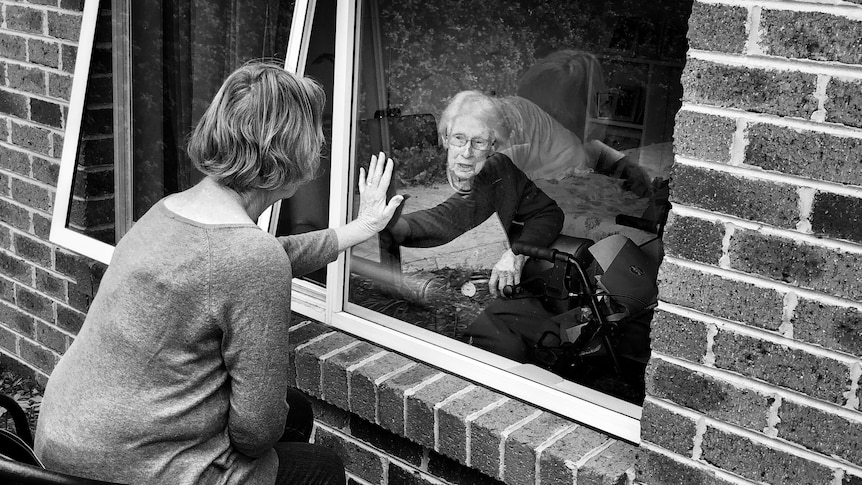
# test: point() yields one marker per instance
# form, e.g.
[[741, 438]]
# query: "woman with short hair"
[[179, 374]]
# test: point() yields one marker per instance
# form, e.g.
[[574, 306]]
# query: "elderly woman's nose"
[[468, 151]]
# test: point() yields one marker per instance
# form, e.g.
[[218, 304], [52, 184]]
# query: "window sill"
[[476, 427]]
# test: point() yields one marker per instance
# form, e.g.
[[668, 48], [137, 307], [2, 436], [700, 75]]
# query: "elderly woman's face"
[[466, 161]]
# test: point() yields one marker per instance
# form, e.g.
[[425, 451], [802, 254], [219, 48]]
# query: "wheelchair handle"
[[546, 254]]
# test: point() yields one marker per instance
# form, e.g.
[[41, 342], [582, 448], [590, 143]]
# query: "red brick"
[[14, 215], [64, 26], [811, 35], [520, 449], [14, 160], [363, 390], [52, 338], [703, 136], [93, 183], [68, 56], [455, 472], [25, 19], [710, 294], [656, 468], [335, 378], [818, 377], [13, 104], [328, 414], [89, 214], [34, 303], [570, 448], [486, 434], [37, 356], [837, 328], [69, 319], [7, 290], [46, 113], [400, 475], [678, 336], [837, 216], [713, 397], [308, 360], [420, 408], [390, 396], [360, 461], [45, 171], [817, 268], [759, 462], [76, 5], [667, 429], [59, 86], [452, 420], [844, 102], [15, 268], [809, 154], [782, 93], [32, 250], [41, 226], [30, 194], [831, 436], [44, 53], [13, 47], [8, 340], [609, 466], [386, 441], [719, 28], [30, 79], [693, 239], [17, 321], [722, 192], [49, 284], [33, 138]]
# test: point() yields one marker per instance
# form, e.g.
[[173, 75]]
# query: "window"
[[153, 68], [587, 95]]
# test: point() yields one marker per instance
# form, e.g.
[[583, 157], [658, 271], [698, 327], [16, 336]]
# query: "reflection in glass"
[[579, 100], [181, 52], [91, 209], [308, 209]]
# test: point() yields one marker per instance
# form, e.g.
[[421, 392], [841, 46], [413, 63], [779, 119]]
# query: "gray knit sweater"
[[179, 373]]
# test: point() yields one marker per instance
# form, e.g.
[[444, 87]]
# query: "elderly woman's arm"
[[313, 250]]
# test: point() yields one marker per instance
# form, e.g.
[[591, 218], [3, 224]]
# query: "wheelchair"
[[602, 295]]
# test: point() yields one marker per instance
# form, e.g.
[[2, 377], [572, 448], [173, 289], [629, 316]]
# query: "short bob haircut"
[[263, 129], [479, 106]]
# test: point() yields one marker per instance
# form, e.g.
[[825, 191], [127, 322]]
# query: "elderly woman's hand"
[[507, 272], [374, 210]]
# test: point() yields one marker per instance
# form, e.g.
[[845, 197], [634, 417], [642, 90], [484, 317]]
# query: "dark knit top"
[[499, 187]]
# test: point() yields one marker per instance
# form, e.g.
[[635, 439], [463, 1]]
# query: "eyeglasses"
[[476, 143]]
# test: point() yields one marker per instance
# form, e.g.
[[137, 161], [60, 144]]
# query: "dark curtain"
[[181, 52]]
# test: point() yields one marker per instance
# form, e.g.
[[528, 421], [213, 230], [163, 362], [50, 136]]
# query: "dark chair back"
[[17, 473]]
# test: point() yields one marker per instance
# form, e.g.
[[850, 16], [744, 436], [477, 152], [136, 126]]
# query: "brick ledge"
[[436, 414]]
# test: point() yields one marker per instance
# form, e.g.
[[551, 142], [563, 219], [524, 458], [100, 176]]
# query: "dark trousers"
[[300, 462], [512, 328]]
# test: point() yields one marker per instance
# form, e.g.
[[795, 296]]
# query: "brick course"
[[819, 377], [811, 35]]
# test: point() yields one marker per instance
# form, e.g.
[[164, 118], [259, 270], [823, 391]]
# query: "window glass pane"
[[308, 209], [568, 133], [182, 50], [91, 208]]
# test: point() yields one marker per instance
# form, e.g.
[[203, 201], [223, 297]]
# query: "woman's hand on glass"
[[374, 210]]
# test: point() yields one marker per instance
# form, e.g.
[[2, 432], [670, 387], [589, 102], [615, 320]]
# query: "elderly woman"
[[486, 182], [179, 374]]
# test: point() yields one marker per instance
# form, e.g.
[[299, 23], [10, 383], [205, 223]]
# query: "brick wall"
[[757, 354], [756, 368]]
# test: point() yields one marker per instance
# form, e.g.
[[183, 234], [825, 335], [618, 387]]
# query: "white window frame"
[[328, 304]]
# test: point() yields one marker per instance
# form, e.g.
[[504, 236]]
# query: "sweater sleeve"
[[542, 217], [310, 251], [251, 299], [444, 222]]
